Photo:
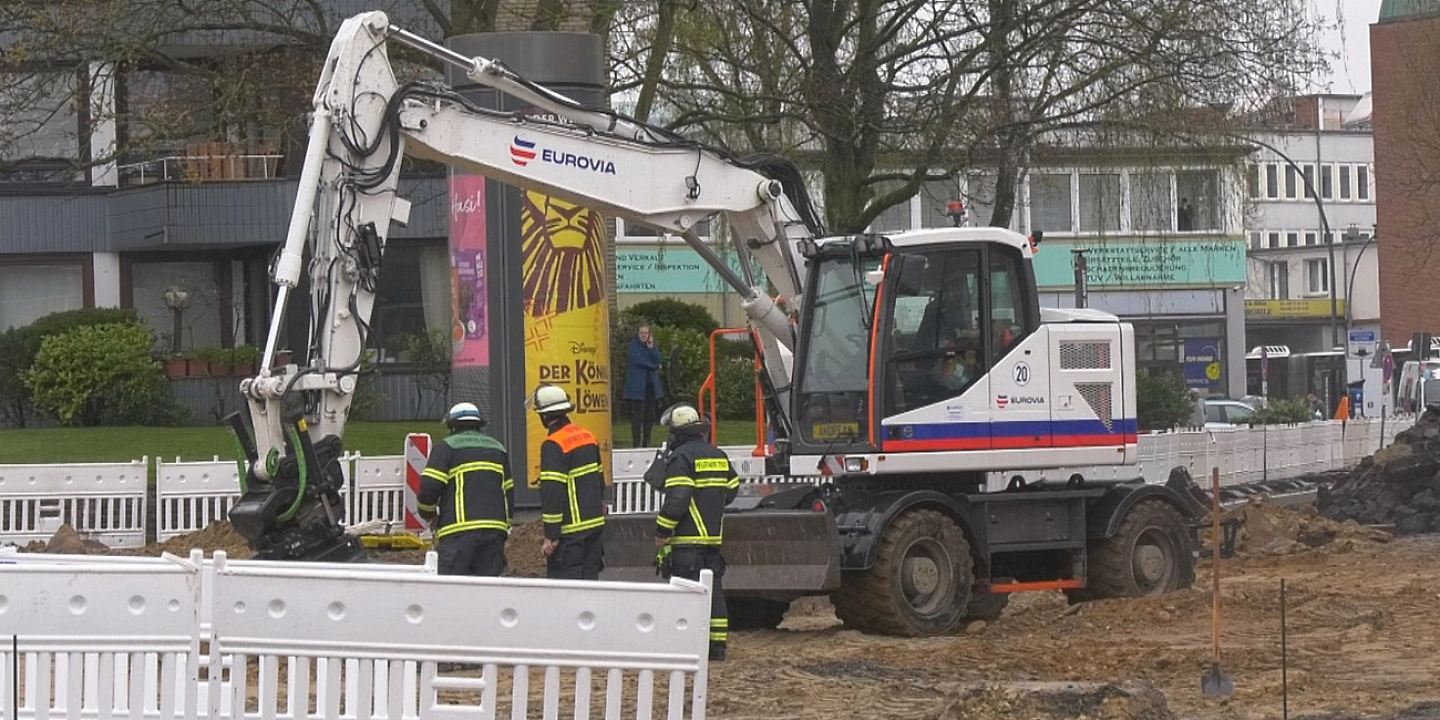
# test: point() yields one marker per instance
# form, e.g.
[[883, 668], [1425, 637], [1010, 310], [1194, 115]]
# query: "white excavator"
[[904, 367]]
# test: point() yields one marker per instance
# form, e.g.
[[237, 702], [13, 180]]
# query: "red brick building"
[[1405, 72]]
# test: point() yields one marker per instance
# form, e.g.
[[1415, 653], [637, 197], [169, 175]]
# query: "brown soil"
[[1269, 529], [1363, 641]]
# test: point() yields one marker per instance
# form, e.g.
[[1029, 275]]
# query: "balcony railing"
[[203, 162]]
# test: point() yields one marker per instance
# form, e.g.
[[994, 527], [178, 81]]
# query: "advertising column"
[[530, 269]]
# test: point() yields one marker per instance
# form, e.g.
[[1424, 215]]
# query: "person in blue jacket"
[[643, 390]]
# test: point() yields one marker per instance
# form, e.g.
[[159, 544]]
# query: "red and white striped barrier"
[[417, 451]]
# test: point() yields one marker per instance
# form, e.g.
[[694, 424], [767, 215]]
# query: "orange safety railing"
[[712, 408]]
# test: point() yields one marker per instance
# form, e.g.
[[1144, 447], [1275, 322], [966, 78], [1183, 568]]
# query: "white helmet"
[[550, 399], [679, 416], [463, 412]]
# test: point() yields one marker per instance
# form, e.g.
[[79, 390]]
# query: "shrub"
[[101, 375], [1282, 412], [1161, 402], [430, 354], [671, 313], [18, 347]]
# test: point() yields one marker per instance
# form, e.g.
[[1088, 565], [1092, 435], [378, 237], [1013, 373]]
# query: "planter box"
[[176, 368]]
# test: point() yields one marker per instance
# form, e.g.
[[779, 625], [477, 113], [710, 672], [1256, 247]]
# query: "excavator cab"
[[906, 324]]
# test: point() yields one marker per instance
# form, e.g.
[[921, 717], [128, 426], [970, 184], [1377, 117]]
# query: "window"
[[1309, 182], [1237, 414], [1279, 281], [1362, 182], [980, 198], [895, 218], [1050, 203], [1150, 202], [46, 119], [1199, 200], [1099, 203], [1344, 182], [201, 321], [414, 295], [1317, 276], [1010, 319], [1330, 238], [1274, 240], [1291, 183], [835, 380], [1327, 181], [1256, 241], [939, 348], [1312, 238], [1292, 239], [1272, 181], [1252, 181], [30, 292]]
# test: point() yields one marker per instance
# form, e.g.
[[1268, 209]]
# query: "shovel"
[[1215, 683]]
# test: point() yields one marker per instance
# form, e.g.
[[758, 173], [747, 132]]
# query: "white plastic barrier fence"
[[98, 640], [189, 496], [123, 639], [103, 501], [378, 490], [632, 495], [1244, 455]]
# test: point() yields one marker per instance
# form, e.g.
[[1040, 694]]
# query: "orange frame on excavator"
[[707, 389]]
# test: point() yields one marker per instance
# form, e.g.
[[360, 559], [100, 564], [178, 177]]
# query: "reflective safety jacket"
[[572, 482], [699, 483], [467, 482]]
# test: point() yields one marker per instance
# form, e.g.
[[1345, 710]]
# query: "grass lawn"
[[119, 444]]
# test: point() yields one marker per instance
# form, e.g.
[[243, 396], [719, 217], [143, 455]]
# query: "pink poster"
[[470, 332]]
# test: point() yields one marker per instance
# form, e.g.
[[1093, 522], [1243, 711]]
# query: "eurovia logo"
[[1001, 401], [522, 151]]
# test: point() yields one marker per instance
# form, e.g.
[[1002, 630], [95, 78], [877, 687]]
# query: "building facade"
[[1293, 239], [1404, 65]]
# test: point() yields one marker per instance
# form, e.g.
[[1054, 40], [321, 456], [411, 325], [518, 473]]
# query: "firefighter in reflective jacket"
[[468, 494], [699, 483], [572, 491]]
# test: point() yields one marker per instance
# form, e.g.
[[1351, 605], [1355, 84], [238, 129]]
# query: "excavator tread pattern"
[[871, 601], [1109, 558]]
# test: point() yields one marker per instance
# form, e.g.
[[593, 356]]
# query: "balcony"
[[206, 162]]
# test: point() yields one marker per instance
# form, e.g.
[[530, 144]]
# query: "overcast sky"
[[1350, 72]]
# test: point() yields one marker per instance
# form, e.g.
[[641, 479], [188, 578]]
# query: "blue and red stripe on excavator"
[[1008, 435]]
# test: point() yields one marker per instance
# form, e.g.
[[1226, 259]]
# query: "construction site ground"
[[1363, 621]]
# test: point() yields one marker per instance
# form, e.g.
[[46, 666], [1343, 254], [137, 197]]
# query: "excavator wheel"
[[919, 584], [751, 613], [1151, 553]]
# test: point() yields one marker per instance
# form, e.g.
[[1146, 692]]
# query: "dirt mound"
[[522, 550], [1043, 700], [1270, 529], [66, 541], [1399, 485], [217, 536]]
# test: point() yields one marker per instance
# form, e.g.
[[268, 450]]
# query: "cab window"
[[938, 347], [1010, 319]]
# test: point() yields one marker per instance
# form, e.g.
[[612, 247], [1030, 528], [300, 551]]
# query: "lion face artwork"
[[563, 263]]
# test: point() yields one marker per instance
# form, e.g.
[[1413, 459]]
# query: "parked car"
[[1224, 413]]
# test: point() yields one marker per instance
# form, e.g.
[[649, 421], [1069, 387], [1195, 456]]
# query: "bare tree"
[[237, 71], [885, 95]]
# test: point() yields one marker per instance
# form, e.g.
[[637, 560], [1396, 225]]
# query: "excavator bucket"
[[768, 552]]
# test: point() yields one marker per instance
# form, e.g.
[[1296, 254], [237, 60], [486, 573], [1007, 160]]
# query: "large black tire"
[[1151, 553], [986, 606], [919, 584], [748, 613]]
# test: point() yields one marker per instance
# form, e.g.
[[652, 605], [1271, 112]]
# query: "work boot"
[[717, 653]]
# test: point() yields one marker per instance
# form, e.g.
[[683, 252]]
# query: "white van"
[[1418, 386]]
